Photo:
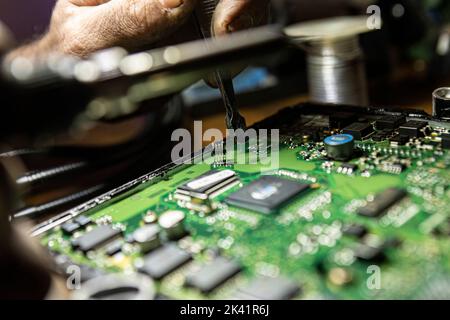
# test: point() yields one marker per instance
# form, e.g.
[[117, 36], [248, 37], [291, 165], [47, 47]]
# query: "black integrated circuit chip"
[[96, 238], [390, 122], [355, 230], [213, 274], [165, 260], [266, 194], [445, 141], [266, 288], [70, 227], [83, 221], [382, 202], [359, 130], [370, 254], [413, 128]]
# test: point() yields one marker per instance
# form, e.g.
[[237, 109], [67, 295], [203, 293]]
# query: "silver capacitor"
[[172, 223], [147, 237]]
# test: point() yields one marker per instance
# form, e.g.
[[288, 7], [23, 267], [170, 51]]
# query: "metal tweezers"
[[203, 18]]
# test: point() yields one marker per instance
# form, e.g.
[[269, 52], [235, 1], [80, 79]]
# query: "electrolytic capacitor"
[[147, 237], [172, 224], [340, 147], [441, 102]]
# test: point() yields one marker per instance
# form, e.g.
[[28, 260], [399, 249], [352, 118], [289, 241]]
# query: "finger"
[[234, 15], [88, 2], [151, 20]]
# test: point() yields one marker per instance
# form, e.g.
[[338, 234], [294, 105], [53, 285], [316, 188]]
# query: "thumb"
[[235, 15]]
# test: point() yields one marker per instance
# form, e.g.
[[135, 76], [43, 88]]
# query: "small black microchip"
[[114, 248], [266, 288], [97, 238], [399, 140], [379, 137], [213, 275], [445, 141], [162, 261], [266, 194], [413, 129], [70, 227], [382, 202], [339, 120], [355, 230], [370, 254], [359, 130], [83, 220], [390, 122]]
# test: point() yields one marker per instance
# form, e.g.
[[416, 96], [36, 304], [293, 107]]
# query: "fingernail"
[[241, 23], [171, 4]]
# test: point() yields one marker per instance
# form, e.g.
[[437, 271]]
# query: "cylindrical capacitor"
[[340, 146], [172, 222], [441, 102], [147, 237]]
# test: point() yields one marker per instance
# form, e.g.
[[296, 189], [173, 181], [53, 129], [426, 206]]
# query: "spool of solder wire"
[[340, 146], [335, 61]]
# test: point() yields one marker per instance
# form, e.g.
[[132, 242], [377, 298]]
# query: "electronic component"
[[445, 141], [390, 122], [382, 202], [341, 119], [355, 214], [399, 140], [340, 146], [359, 130], [212, 275], [267, 288], [147, 237], [82, 220], [347, 168], [150, 217], [266, 194], [164, 260], [114, 248], [392, 167], [355, 230], [368, 253], [205, 186], [413, 128], [379, 136], [97, 237], [172, 224], [70, 227]]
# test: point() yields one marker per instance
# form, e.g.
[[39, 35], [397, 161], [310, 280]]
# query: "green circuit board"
[[328, 241]]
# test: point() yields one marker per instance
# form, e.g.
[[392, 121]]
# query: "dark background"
[[26, 18]]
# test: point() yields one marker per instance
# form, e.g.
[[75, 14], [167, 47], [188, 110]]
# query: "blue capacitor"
[[340, 146]]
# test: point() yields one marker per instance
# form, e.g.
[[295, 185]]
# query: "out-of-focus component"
[[6, 38], [172, 224], [147, 237], [336, 71], [117, 287], [441, 102], [340, 146]]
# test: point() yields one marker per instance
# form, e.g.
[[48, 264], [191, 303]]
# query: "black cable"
[[34, 211], [138, 168]]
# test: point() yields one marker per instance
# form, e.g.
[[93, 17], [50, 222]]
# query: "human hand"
[[81, 27]]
